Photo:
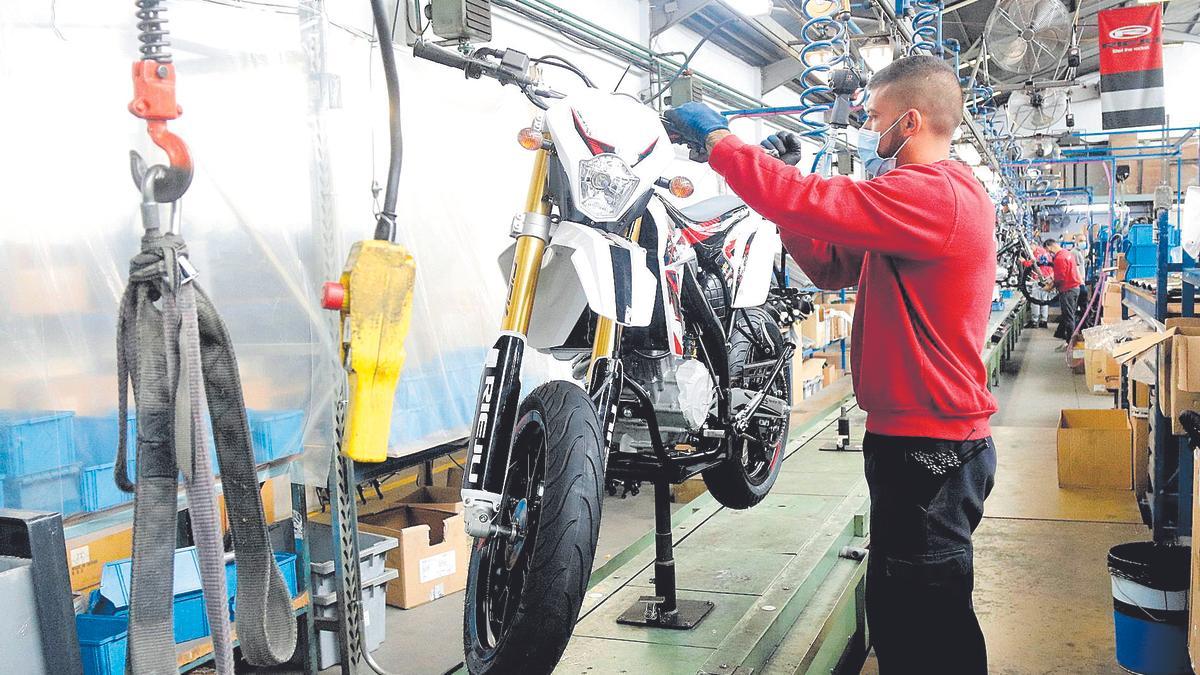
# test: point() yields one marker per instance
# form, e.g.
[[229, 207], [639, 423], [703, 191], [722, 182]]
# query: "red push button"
[[333, 296]]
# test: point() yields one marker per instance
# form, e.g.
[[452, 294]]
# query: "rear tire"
[[557, 472], [1028, 282], [745, 478]]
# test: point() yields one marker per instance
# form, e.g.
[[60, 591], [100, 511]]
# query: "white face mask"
[[868, 151]]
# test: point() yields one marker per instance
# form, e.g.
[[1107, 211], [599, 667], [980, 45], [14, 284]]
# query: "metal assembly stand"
[[665, 609], [843, 442]]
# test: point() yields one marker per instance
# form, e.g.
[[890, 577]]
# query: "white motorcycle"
[[680, 363]]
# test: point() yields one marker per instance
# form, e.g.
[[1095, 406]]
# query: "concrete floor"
[[1042, 587]]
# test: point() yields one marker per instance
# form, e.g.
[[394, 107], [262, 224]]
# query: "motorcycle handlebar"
[[432, 52], [504, 72]]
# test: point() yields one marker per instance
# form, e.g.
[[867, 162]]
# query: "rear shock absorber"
[[927, 28], [152, 31]]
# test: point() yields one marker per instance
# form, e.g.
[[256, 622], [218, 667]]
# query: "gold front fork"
[[608, 333], [527, 262]]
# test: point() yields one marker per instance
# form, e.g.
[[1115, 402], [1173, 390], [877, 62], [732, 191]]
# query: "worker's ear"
[[913, 122]]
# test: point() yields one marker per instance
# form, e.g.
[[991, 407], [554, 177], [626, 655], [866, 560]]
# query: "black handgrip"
[[432, 52]]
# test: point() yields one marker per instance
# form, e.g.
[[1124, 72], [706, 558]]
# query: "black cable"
[[627, 68], [385, 227], [560, 62], [535, 99], [688, 60]]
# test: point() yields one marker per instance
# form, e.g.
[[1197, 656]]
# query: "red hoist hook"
[[154, 101]]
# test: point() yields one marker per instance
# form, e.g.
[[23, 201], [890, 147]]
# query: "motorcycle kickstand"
[[664, 609]]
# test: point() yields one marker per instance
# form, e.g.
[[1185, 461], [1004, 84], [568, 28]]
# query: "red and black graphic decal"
[[597, 147], [646, 153]]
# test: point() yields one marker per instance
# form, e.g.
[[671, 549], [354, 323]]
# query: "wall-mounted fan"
[[1028, 36], [1038, 147], [1037, 109]]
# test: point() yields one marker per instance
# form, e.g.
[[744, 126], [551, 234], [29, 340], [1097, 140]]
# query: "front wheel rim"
[[504, 559]]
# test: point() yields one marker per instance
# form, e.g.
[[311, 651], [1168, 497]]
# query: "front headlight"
[[605, 186]]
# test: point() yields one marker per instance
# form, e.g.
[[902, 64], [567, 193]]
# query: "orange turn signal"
[[530, 138], [682, 187]]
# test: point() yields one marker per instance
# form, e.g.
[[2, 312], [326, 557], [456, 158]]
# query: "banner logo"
[[1129, 32]]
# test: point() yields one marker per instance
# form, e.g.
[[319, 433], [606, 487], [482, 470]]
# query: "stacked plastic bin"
[[372, 553], [38, 466], [96, 443], [104, 630]]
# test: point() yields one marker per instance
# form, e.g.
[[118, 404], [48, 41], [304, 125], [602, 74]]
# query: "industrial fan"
[[1037, 109], [1028, 36]]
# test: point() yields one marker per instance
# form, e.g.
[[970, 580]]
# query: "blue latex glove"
[[694, 122]]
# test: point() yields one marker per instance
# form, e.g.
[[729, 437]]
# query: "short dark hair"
[[1049, 242], [928, 84]]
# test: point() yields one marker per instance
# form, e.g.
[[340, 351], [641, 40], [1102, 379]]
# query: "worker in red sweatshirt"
[[1068, 281], [917, 239]]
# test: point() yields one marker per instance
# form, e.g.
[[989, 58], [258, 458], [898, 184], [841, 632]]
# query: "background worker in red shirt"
[[918, 241], [1068, 281]]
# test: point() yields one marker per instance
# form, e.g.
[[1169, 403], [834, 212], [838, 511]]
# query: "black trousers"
[[920, 572], [1068, 304]]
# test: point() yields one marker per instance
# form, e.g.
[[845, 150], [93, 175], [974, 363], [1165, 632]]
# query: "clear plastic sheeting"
[[287, 147]]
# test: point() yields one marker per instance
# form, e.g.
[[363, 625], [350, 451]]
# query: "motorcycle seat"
[[711, 208]]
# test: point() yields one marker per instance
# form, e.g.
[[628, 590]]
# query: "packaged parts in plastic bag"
[[1109, 335], [695, 391]]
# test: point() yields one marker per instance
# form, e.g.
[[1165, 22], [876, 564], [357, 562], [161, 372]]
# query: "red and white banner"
[[1131, 67]]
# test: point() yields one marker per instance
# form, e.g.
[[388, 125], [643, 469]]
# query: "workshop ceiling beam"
[[775, 75], [666, 13]]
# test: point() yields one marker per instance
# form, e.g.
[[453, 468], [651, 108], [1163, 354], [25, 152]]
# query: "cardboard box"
[[432, 557], [1141, 452], [815, 328], [808, 376], [1111, 311], [1095, 449], [1173, 400], [688, 490]]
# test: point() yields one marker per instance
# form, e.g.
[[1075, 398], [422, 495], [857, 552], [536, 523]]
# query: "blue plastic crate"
[[54, 490], [997, 305], [286, 562], [96, 438], [1142, 234], [1006, 293], [1142, 255], [103, 641], [1141, 271], [191, 622], [35, 441], [98, 490], [275, 433]]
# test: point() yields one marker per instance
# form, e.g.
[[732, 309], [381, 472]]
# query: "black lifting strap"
[[150, 360]]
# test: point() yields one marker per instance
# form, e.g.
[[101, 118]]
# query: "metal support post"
[[843, 430], [665, 609], [38, 537]]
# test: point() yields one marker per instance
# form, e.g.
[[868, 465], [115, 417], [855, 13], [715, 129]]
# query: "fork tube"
[[527, 262]]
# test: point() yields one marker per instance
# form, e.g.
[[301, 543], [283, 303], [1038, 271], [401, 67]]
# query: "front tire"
[[745, 478], [1029, 285], [524, 592]]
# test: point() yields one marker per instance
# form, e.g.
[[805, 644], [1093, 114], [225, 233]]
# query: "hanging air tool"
[[844, 83], [374, 296]]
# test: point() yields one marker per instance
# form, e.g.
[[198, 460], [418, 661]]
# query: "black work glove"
[[785, 145]]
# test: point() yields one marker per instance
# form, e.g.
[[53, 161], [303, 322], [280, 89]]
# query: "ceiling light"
[[877, 53], [751, 8]]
